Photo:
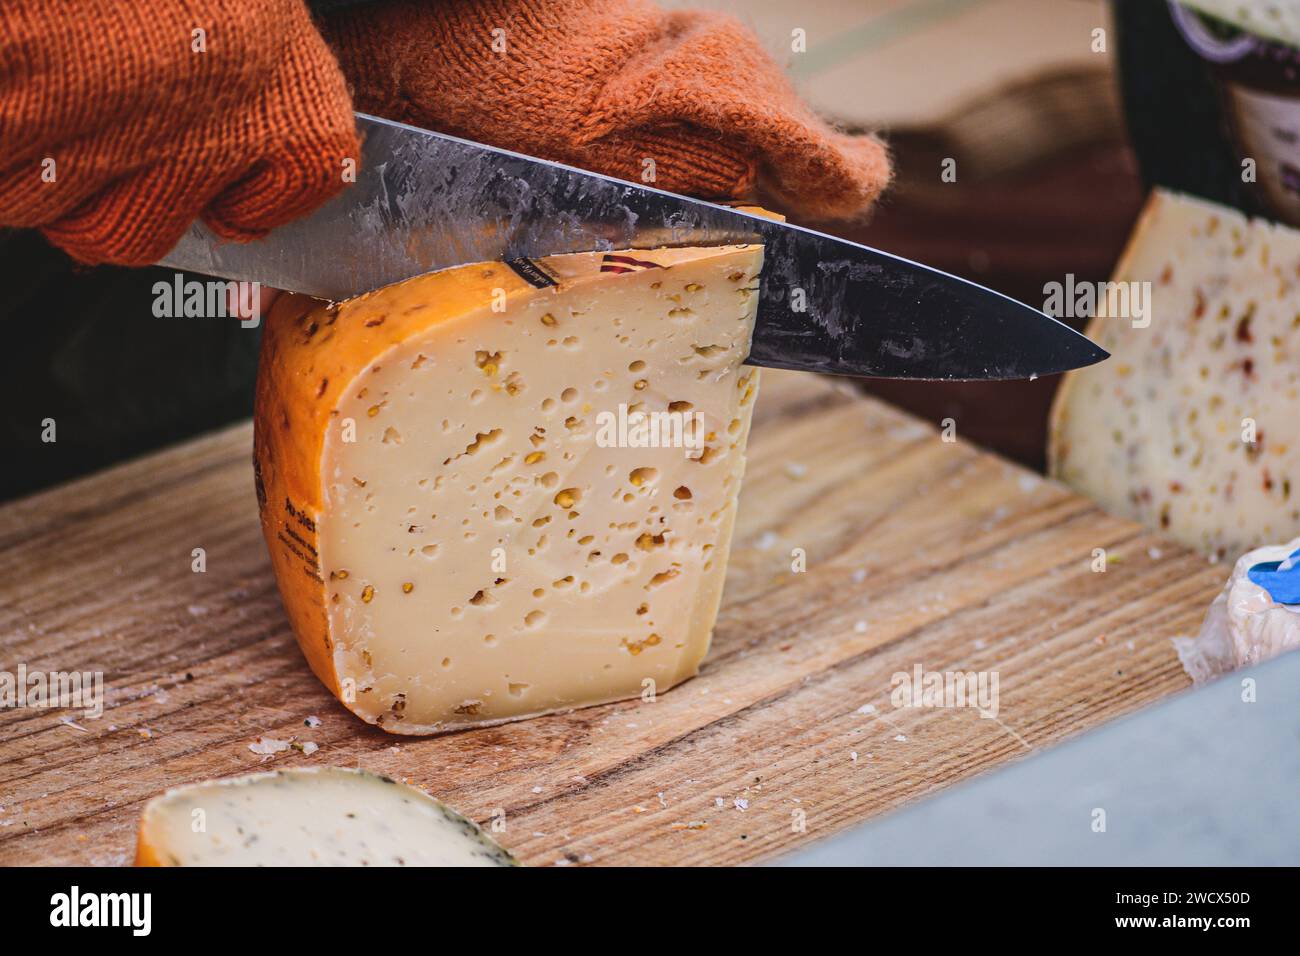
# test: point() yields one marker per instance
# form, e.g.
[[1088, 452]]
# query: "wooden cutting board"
[[919, 551]]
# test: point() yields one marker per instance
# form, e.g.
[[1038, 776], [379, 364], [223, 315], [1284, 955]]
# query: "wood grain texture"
[[919, 551]]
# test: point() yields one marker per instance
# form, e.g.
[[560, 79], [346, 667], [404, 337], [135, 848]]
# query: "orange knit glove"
[[118, 132], [606, 85]]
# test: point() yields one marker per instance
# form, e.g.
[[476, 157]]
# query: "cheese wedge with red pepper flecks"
[[312, 816], [508, 489], [1190, 426]]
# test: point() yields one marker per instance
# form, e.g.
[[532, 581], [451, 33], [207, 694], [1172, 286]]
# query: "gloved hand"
[[605, 85], [147, 133]]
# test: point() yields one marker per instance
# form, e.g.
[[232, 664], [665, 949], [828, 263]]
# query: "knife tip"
[[1070, 349], [1095, 353]]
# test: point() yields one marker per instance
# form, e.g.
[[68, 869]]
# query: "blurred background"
[[1059, 132], [1046, 181], [1060, 113]]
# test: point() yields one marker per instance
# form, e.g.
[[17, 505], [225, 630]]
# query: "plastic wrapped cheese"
[[1244, 625]]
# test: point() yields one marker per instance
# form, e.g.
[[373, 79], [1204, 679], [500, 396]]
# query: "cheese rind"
[[328, 816], [463, 526], [1161, 432]]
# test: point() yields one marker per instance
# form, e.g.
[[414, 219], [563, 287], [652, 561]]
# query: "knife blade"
[[424, 201]]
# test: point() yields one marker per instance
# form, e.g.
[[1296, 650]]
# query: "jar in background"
[[1259, 84]]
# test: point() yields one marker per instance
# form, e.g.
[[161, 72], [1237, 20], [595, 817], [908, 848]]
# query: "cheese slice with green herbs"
[[507, 489], [1190, 426], [328, 816]]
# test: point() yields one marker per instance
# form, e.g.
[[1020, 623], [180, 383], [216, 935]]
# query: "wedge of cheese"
[[327, 816], [1190, 426], [507, 489]]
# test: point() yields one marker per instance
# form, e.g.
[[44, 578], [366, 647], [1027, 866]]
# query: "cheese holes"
[[662, 578], [648, 542]]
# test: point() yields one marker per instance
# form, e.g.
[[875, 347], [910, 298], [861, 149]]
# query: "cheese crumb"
[[268, 746]]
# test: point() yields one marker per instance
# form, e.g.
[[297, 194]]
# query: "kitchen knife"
[[424, 201]]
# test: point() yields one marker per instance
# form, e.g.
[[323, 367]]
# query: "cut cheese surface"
[[310, 817], [504, 490], [1190, 426]]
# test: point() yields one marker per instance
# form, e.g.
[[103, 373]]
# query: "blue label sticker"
[[1281, 579]]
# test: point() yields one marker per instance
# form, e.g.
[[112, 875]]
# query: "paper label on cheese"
[[326, 816], [1189, 426], [509, 488]]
